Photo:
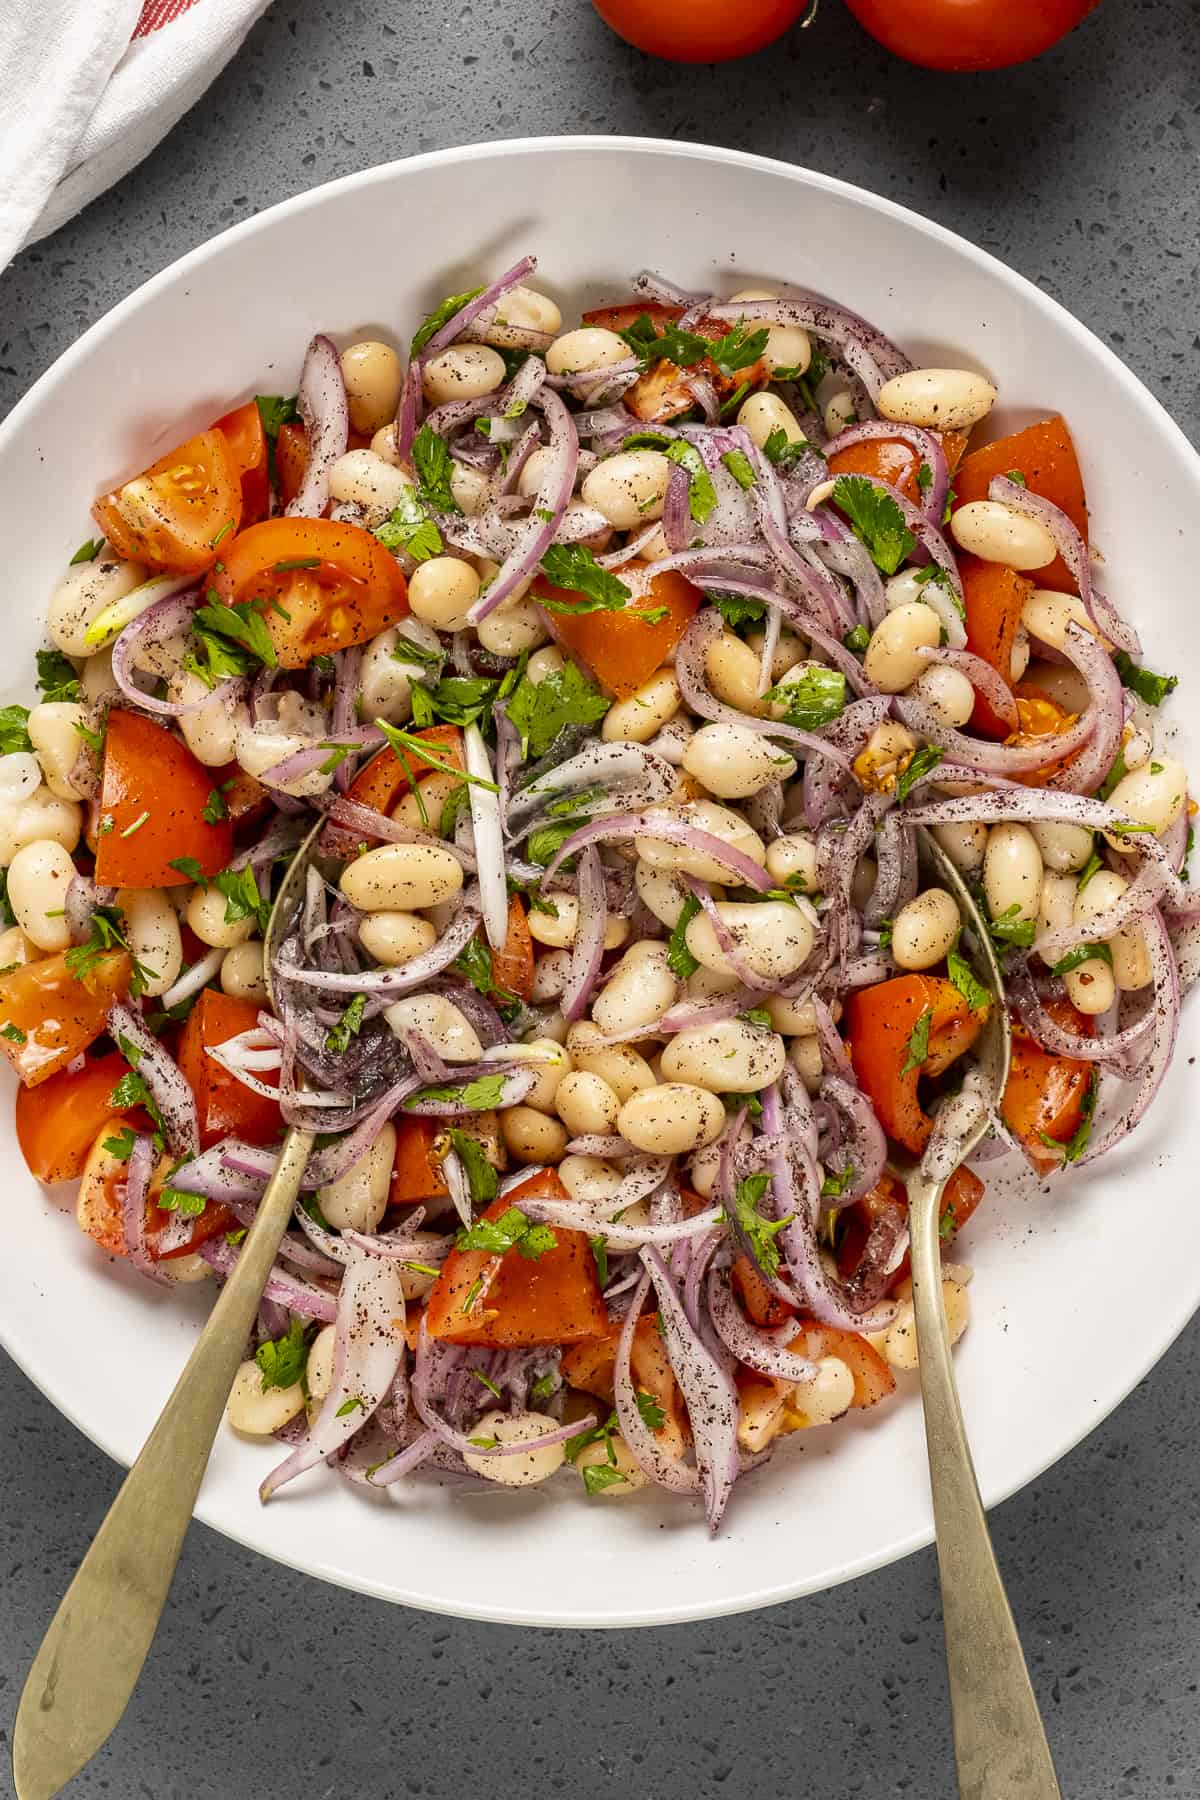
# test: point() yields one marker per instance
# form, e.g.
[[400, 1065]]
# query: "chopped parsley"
[[511, 1231], [1115, 774], [876, 521], [230, 640], [702, 495], [1091, 867], [599, 1249], [87, 552], [434, 466], [441, 315], [406, 744], [13, 1033], [282, 1360], [107, 932], [680, 960], [832, 1186], [737, 349], [924, 477], [858, 639], [760, 1232], [242, 898], [1080, 954], [1009, 929], [337, 1038], [1148, 686], [355, 1403], [485, 1381], [14, 734], [918, 1043], [543, 1387], [782, 450], [56, 677], [738, 610], [275, 410], [540, 710], [817, 698], [410, 528], [962, 975], [927, 758], [480, 1095], [474, 962], [214, 808], [739, 466], [482, 1179], [593, 589], [652, 1413]]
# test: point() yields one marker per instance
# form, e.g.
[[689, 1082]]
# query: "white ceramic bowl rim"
[[774, 1582]]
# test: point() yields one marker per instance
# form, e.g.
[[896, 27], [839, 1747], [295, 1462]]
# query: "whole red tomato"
[[969, 34], [699, 31]]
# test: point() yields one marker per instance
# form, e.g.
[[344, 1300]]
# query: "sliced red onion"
[[209, 1175], [518, 1080], [644, 1446], [728, 943], [588, 948], [864, 1142], [997, 808], [550, 502], [330, 1247], [165, 619], [358, 822], [433, 1360], [707, 1389], [404, 1461], [631, 775], [139, 1170], [192, 980], [757, 1349], [300, 763], [1075, 554], [672, 830], [482, 303], [1164, 1031], [600, 1143], [991, 758], [573, 1216], [368, 1350], [168, 1088], [325, 413], [82, 899], [1058, 1042], [983, 678], [770, 648], [298, 1296], [489, 848], [872, 356], [390, 984], [853, 560], [705, 395], [656, 287], [455, 1177], [408, 409]]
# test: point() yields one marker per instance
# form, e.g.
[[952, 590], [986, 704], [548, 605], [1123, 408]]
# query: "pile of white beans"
[[662, 1096]]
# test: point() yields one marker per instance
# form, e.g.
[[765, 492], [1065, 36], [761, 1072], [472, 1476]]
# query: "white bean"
[[792, 1018], [422, 806], [210, 731], [206, 915], [516, 625], [640, 717], [717, 821], [1057, 907], [898, 1344], [373, 375], [772, 937], [628, 488], [1091, 986], [964, 845], [790, 651], [1012, 873], [660, 892], [1153, 795], [838, 412], [469, 488], [15, 949], [438, 1019], [586, 1104], [521, 310], [761, 414], [734, 761], [589, 1177], [83, 594], [261, 748], [1046, 614], [708, 984], [996, 533], [948, 399], [318, 1369], [357, 1200], [636, 995], [525, 1469], [924, 931], [550, 1061], [548, 661], [38, 878], [891, 659], [550, 975], [793, 857], [462, 372], [619, 1064], [532, 1136], [364, 478], [442, 592], [732, 670], [401, 878], [256, 1413], [152, 928], [788, 347], [1019, 661], [558, 929], [804, 1054], [1130, 957], [730, 1057], [946, 692], [242, 973], [672, 1119], [394, 938], [21, 775], [387, 681], [588, 347], [1063, 847]]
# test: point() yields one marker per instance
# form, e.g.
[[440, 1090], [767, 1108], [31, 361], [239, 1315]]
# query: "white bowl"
[[1078, 1288]]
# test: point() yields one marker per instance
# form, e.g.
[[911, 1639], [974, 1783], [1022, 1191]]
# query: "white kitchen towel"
[[92, 86]]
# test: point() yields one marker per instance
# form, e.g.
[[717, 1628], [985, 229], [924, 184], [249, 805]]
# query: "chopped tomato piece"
[[383, 782], [1045, 1094], [621, 650], [964, 1191], [47, 1015], [168, 516], [242, 795], [512, 967], [320, 585], [873, 1380], [589, 1365], [99, 1207], [962, 1195], [762, 1306], [152, 798], [291, 460], [416, 1170], [243, 428], [880, 1023], [894, 461], [994, 598], [1045, 455], [224, 1105], [553, 1300], [661, 393], [57, 1122]]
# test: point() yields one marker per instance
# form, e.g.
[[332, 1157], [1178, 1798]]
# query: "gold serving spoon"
[[83, 1677], [999, 1740]]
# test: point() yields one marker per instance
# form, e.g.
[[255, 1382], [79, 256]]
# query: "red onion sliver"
[[325, 412], [587, 951]]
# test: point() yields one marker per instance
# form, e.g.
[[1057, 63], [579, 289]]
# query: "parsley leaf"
[[652, 1413], [782, 450], [595, 1434], [441, 315], [282, 1360], [13, 1033], [88, 551], [924, 477], [962, 975], [458, 700], [410, 528], [702, 495], [1091, 867], [337, 1038], [107, 933], [434, 465], [740, 467], [13, 733], [738, 610], [474, 961], [760, 1232], [593, 589], [242, 898], [482, 1178], [834, 1185], [858, 639], [480, 1095], [240, 625], [599, 1249], [275, 410], [190, 869], [876, 521], [927, 757], [1077, 1143], [1148, 686], [680, 960], [1008, 928], [598, 1476], [1080, 954], [540, 710], [1115, 774], [511, 1231], [214, 808], [918, 1042], [56, 677], [818, 697]]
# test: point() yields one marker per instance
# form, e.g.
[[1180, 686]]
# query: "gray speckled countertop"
[[1080, 170]]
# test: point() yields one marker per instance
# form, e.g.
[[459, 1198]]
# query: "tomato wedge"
[[555, 1300], [320, 584], [225, 1106], [1045, 455], [416, 1171], [168, 516], [383, 782], [1045, 1094], [291, 460], [621, 650], [57, 1123], [661, 393], [154, 792], [994, 599], [589, 1365], [53, 1015], [99, 1206], [512, 967], [243, 429], [962, 1195], [880, 1022], [894, 460]]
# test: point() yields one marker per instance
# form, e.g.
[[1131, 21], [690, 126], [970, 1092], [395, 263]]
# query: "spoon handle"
[[999, 1739], [83, 1676]]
